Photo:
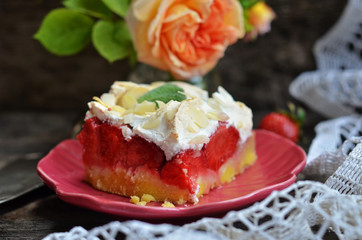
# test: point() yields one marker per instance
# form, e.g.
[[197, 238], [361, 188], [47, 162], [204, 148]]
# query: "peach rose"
[[185, 37]]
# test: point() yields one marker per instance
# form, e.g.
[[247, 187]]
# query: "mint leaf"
[[164, 93], [94, 8], [120, 7], [65, 32], [112, 39]]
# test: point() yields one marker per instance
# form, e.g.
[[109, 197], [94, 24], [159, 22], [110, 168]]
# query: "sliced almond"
[[212, 115], [192, 127], [170, 114], [129, 99], [144, 108], [117, 90], [136, 92], [119, 100], [97, 99], [199, 117], [152, 123], [223, 116], [213, 103], [160, 104], [201, 139], [225, 94], [220, 100], [119, 109], [108, 98], [217, 115]]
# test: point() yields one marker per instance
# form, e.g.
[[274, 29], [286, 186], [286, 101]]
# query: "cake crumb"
[[142, 203], [168, 204], [148, 198], [135, 199]]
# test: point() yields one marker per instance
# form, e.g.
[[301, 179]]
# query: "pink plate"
[[279, 161]]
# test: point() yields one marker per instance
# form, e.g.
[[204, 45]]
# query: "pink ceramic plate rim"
[[285, 158]]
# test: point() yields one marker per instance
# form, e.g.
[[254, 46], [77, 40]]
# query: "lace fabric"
[[329, 148], [348, 177], [341, 47], [332, 93], [305, 210], [335, 88]]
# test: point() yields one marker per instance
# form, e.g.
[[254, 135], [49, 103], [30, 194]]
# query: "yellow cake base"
[[142, 180]]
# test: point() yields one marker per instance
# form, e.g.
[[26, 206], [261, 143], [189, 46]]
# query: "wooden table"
[[39, 212]]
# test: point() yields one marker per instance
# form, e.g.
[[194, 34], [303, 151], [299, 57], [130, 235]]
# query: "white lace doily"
[[332, 93], [305, 210], [341, 47], [330, 90], [348, 177], [327, 144]]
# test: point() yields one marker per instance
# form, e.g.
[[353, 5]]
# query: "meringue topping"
[[173, 126]]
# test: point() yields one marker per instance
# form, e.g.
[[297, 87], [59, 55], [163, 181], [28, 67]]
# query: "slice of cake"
[[168, 140]]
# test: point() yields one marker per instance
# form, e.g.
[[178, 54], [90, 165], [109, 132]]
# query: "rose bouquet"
[[184, 37]]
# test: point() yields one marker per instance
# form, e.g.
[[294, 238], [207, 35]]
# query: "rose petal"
[[185, 37]]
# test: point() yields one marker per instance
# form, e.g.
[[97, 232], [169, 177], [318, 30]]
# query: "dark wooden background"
[[258, 73], [42, 96]]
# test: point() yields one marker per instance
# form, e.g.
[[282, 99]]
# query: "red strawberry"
[[280, 124], [182, 167], [140, 152], [175, 173], [105, 145], [286, 124], [221, 146], [187, 164]]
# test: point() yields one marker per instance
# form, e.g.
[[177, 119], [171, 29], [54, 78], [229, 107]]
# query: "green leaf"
[[94, 8], [133, 57], [112, 39], [248, 3], [164, 93], [247, 25], [65, 32], [120, 7], [301, 115]]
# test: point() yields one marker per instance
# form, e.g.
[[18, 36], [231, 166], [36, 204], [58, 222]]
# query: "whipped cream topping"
[[174, 126]]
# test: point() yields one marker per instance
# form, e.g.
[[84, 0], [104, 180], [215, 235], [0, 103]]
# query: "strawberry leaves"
[[297, 114]]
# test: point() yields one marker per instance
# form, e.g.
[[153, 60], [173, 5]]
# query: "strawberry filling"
[[105, 146]]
